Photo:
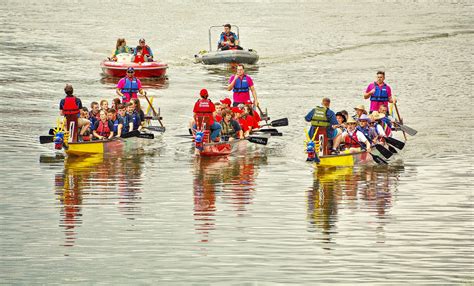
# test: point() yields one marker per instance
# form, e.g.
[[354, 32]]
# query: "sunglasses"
[[130, 72]]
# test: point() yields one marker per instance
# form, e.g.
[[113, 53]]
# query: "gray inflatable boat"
[[245, 56]]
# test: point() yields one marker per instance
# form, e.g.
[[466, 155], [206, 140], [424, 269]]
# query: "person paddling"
[[379, 93], [117, 122], [230, 128], [204, 111], [354, 139], [129, 86], [70, 107], [241, 85], [103, 128]]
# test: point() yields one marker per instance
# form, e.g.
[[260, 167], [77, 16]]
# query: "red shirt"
[[218, 118], [204, 107], [139, 59], [244, 123]]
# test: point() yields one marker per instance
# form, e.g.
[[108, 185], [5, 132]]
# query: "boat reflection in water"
[[97, 180], [229, 179], [367, 188]]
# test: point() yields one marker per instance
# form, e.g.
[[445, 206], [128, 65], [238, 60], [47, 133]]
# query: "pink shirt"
[[374, 105], [121, 84], [242, 97]]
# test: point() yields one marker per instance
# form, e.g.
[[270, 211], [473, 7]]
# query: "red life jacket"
[[352, 143], [145, 51], [70, 106], [204, 108], [103, 128], [139, 59]]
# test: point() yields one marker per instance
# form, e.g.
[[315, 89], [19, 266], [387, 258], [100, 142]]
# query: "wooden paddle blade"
[[385, 152], [279, 122], [379, 160], [134, 133], [156, 128], [393, 150], [146, 135], [46, 139], [410, 131], [395, 143], [258, 140]]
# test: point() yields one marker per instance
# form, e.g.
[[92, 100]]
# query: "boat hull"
[[345, 160], [229, 56], [142, 70]]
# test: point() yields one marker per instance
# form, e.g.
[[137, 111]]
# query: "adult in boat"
[[324, 118], [359, 110], [241, 85], [103, 129], [129, 86], [232, 45], [379, 93], [70, 107], [120, 48], [230, 128], [116, 121], [146, 50], [204, 112], [354, 139], [224, 39]]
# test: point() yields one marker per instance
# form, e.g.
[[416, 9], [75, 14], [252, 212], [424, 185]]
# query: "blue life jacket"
[[116, 124], [241, 85], [126, 123], [365, 131], [380, 93], [136, 120], [130, 87]]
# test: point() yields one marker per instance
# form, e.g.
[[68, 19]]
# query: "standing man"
[[224, 39], [204, 111], [70, 107], [240, 84], [379, 93], [129, 86], [147, 53], [325, 119]]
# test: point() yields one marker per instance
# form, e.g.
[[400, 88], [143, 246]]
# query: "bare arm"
[[231, 85], [254, 94]]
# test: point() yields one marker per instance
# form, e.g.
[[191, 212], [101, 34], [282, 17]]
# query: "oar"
[[146, 135], [273, 132], [265, 117], [278, 122], [393, 150], [46, 139], [134, 133], [410, 131], [376, 158], [156, 128], [152, 108], [400, 119], [257, 140], [385, 152], [394, 142]]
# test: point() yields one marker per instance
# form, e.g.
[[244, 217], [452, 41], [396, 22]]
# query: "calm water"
[[263, 216]]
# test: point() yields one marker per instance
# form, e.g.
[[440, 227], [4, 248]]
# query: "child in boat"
[[354, 139], [117, 122], [238, 113], [104, 105], [138, 109], [139, 58], [126, 118], [134, 116], [250, 120], [103, 129], [115, 103], [94, 115], [85, 130], [230, 128]]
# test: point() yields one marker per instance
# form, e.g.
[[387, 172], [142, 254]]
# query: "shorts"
[[82, 121], [332, 134]]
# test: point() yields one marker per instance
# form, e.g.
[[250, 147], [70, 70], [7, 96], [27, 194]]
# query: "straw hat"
[[376, 115], [351, 120], [360, 106]]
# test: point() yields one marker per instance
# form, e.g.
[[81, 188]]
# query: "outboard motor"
[[198, 140]]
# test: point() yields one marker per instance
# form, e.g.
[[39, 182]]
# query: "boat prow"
[[142, 70], [229, 56]]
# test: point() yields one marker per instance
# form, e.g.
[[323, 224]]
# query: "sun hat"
[[360, 106], [364, 117]]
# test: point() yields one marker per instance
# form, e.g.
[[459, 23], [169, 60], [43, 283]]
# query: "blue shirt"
[[331, 117]]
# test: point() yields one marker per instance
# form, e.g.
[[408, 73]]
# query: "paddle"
[[134, 133], [153, 109], [278, 123], [376, 158], [272, 132], [410, 131], [46, 139], [156, 128], [264, 116], [400, 119], [393, 150], [385, 152], [394, 142], [146, 135], [257, 140]]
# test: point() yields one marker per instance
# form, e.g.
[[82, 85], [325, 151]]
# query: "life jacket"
[[365, 131], [226, 37], [227, 129], [135, 120], [320, 118], [241, 85], [70, 106], [116, 124], [129, 88], [139, 59], [103, 129], [380, 93], [352, 143], [204, 109], [126, 123], [145, 51]]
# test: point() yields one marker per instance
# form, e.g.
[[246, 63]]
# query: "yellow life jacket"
[[320, 118]]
